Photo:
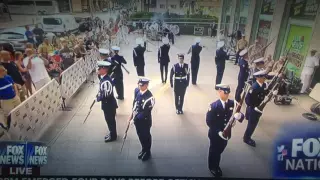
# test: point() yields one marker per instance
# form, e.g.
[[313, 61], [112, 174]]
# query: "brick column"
[[276, 25]]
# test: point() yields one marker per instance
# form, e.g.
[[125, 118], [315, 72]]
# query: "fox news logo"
[[304, 155], [22, 154]]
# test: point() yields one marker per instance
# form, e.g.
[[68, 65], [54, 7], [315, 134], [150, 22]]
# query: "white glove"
[[257, 110], [237, 116], [131, 122], [221, 135], [275, 92]]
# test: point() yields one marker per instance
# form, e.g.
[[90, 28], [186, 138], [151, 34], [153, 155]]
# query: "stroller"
[[283, 97]]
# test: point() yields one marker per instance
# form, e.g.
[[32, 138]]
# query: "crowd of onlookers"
[[23, 73]]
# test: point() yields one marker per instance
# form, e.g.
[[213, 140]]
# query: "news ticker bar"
[[108, 178]]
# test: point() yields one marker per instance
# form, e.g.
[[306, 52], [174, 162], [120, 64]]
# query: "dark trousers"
[[145, 45], [143, 132], [253, 120], [220, 71], [110, 117], [164, 67], [119, 87], [238, 56], [217, 146], [194, 71], [172, 39], [140, 70], [241, 85], [179, 93]]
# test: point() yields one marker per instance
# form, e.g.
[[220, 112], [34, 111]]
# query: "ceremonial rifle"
[[133, 115], [274, 85], [94, 101], [227, 130]]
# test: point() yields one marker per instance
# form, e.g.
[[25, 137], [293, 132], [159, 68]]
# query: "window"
[[21, 3], [52, 21], [162, 6], [43, 3], [173, 6], [12, 35], [153, 4]]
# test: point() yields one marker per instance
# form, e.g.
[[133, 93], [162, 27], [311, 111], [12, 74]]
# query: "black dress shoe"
[[214, 172], [110, 139], [250, 142], [219, 171], [140, 154], [177, 111], [181, 112], [120, 98], [146, 156]]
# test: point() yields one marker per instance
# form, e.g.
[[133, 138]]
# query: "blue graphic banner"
[[297, 151], [23, 154]]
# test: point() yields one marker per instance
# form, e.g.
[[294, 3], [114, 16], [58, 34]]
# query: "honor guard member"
[[181, 73], [220, 59], [241, 45], [195, 59], [243, 73], [254, 98], [104, 54], [258, 66], [138, 57], [118, 75], [108, 102], [217, 118], [142, 106], [164, 59]]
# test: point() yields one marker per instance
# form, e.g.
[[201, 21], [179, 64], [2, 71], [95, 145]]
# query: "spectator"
[[29, 35], [39, 34], [13, 71], [56, 57], [37, 69], [269, 62], [8, 47], [24, 72], [67, 55], [45, 48], [30, 46], [79, 49], [8, 96], [57, 44], [54, 70]]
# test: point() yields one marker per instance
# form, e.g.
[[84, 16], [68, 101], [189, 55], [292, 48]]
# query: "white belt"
[[181, 77]]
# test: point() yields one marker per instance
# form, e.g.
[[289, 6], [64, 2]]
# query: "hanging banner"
[[263, 33], [267, 7], [298, 39], [33, 114], [304, 9]]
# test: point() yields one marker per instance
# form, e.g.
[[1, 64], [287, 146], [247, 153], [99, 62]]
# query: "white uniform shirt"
[[309, 65]]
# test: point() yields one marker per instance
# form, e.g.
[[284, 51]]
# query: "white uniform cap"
[[272, 74], [261, 73], [223, 87], [104, 51], [197, 40], [243, 52], [165, 41], [115, 48], [139, 41], [103, 63], [220, 44], [143, 80], [260, 60], [243, 35]]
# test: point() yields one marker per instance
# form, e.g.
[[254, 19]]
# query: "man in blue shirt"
[[29, 35], [8, 96]]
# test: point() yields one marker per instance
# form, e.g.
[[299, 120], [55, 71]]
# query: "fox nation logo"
[[298, 156]]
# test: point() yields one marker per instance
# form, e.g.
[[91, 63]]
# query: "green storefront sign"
[[298, 42]]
